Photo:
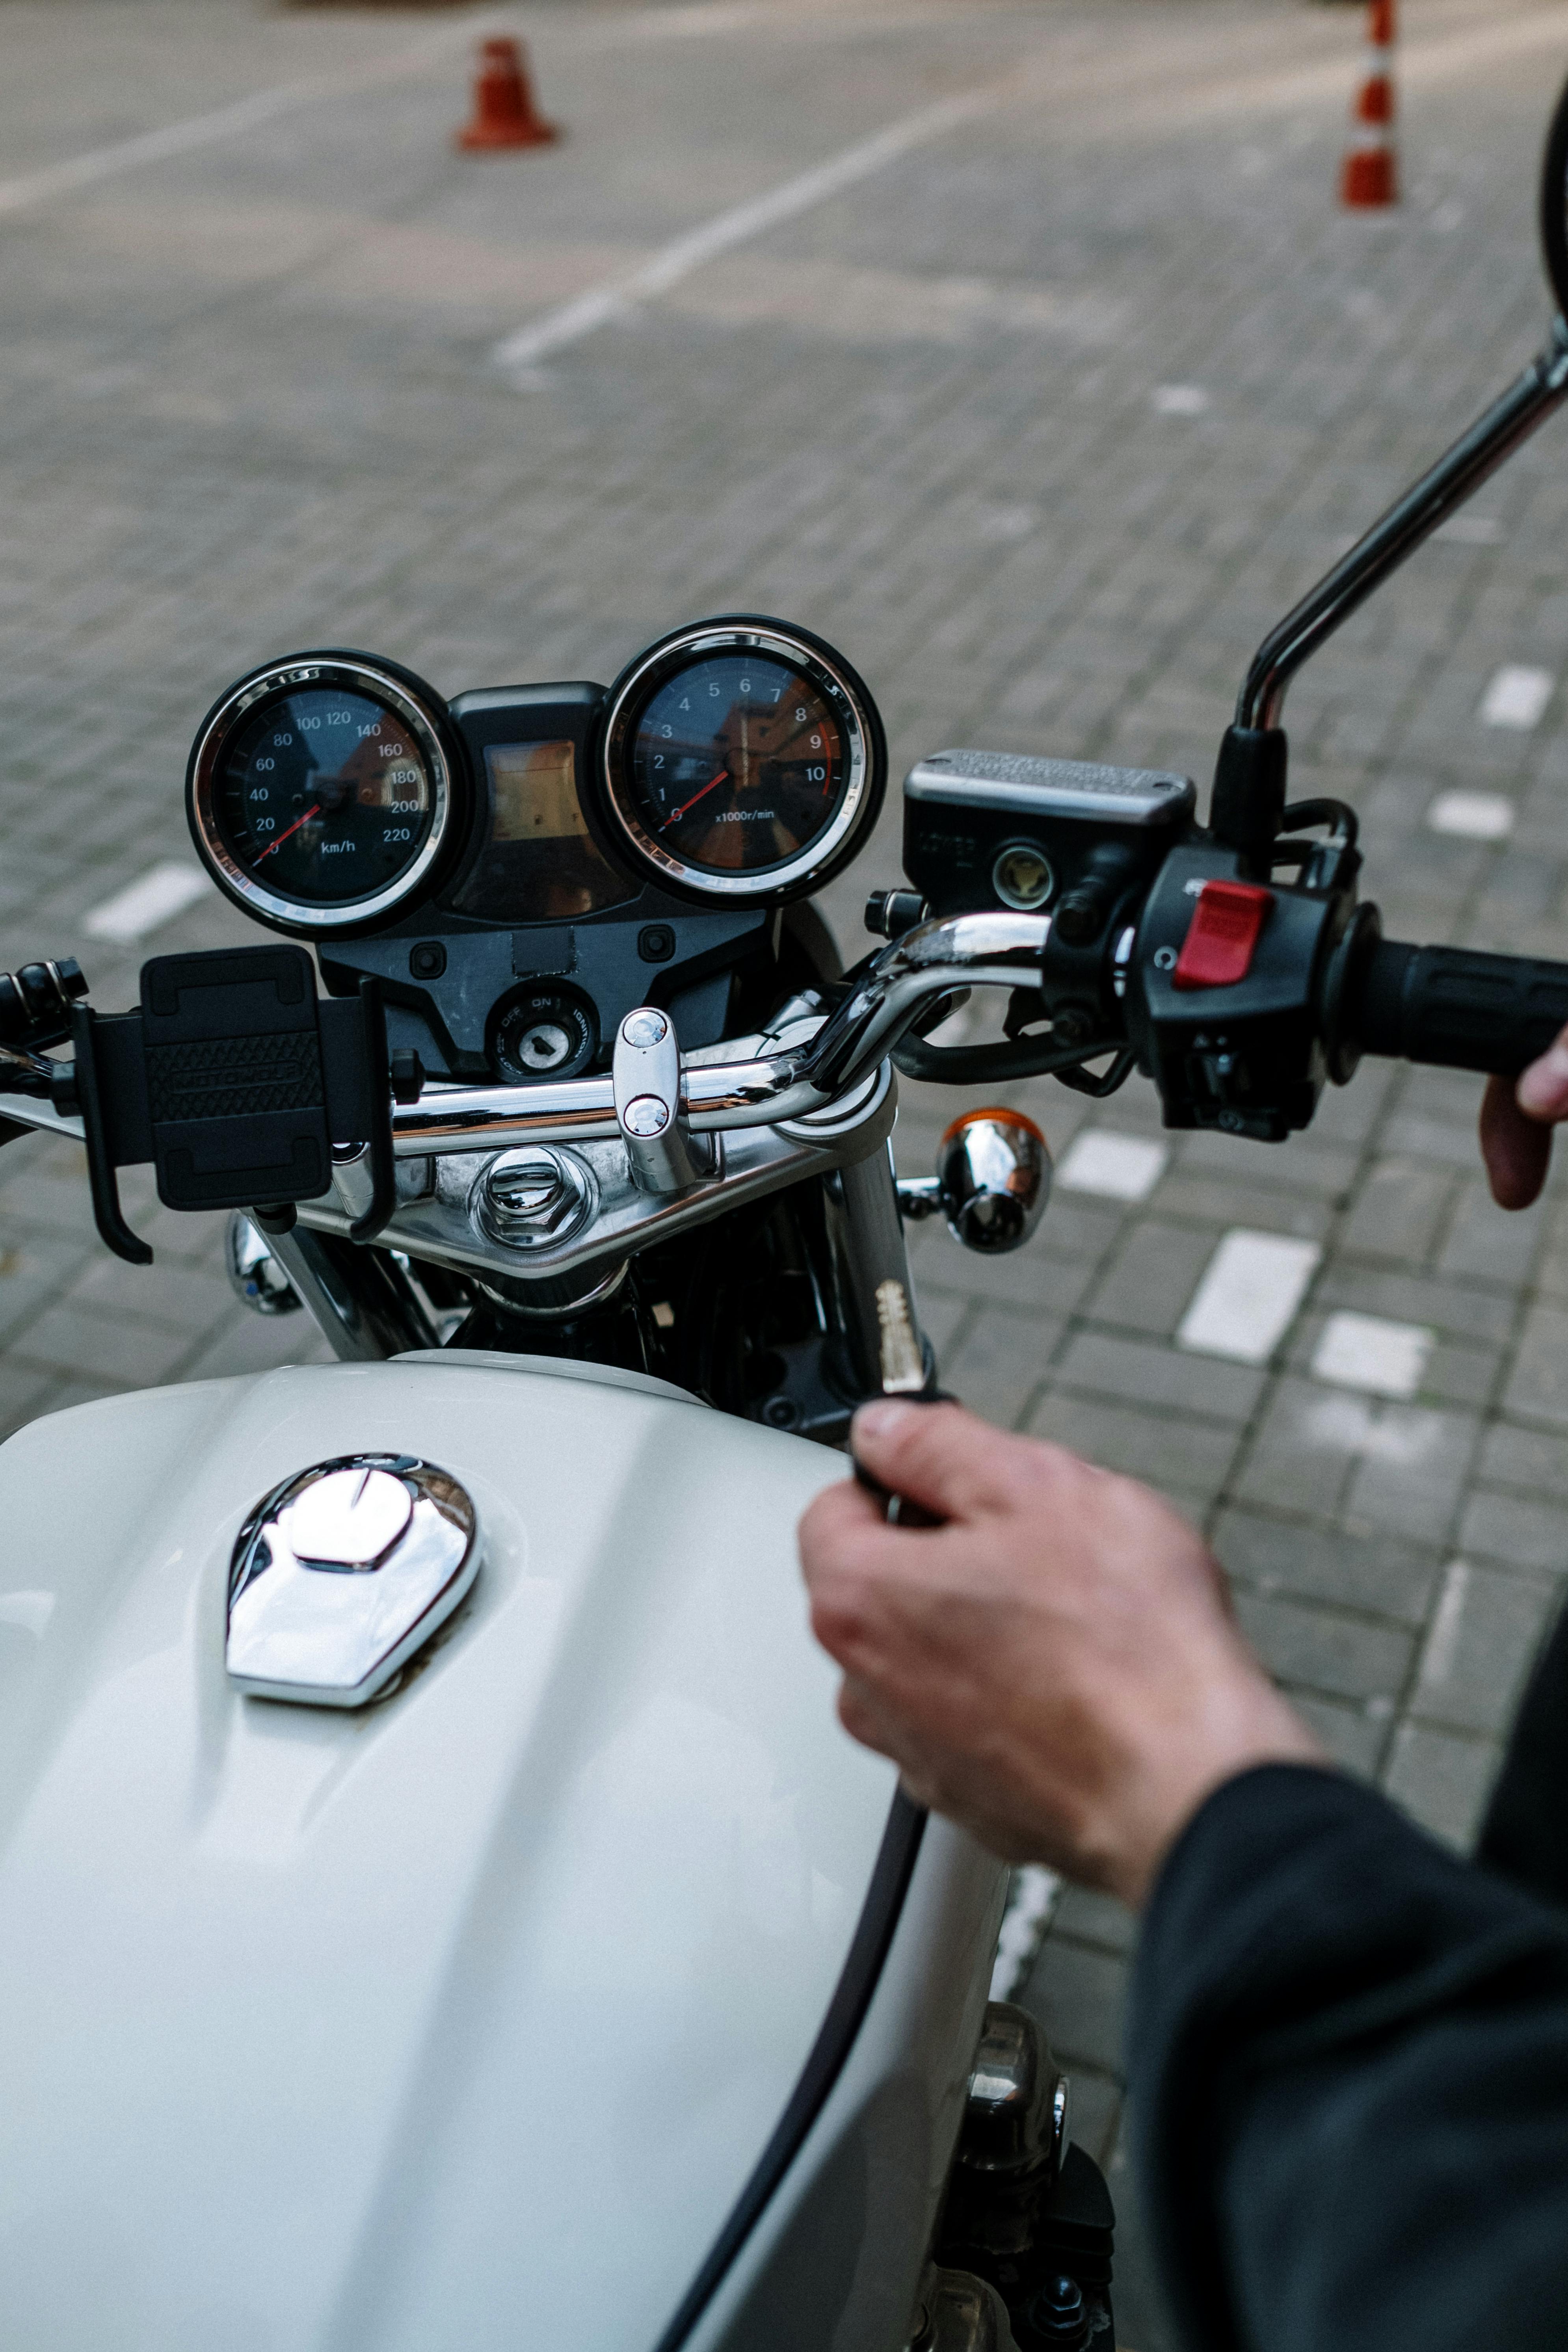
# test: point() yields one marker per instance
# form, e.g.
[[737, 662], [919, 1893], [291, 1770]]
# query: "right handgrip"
[[1457, 1007]]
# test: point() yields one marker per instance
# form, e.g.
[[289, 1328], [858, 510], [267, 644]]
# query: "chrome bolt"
[[534, 1198]]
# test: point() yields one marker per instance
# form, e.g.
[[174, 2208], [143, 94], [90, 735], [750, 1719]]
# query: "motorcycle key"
[[904, 1377]]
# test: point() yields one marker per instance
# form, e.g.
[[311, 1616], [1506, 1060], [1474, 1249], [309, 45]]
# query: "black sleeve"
[[1525, 1833], [1349, 2071]]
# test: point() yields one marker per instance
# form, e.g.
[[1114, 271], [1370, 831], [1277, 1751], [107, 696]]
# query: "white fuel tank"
[[459, 2020]]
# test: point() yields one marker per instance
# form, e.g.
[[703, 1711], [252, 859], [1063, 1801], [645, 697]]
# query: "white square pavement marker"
[[1247, 1296], [1116, 1167], [1179, 400], [165, 891], [1363, 1351], [1517, 697], [1471, 530], [1473, 816]]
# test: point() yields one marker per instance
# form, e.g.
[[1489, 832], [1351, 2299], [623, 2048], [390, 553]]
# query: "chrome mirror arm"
[[1477, 452]]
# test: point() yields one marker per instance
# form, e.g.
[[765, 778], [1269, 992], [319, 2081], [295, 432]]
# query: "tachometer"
[[743, 761], [322, 791]]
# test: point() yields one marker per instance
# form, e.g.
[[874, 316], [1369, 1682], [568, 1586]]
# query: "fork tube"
[[868, 1237]]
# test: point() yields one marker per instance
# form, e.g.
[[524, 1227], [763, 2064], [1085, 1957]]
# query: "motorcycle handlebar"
[[1457, 1008]]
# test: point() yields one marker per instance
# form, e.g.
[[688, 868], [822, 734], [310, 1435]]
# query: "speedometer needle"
[[711, 785], [283, 837]]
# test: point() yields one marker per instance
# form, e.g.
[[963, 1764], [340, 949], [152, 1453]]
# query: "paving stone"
[[1442, 1781], [1097, 1919], [1001, 1362], [1022, 1278], [1164, 1449], [24, 1391], [112, 1348], [1097, 1363], [188, 1298], [1487, 1246], [1077, 1992], [1485, 1631], [1356, 1737], [1532, 1459], [1514, 1528], [1379, 1574], [249, 1343], [1152, 1277], [1398, 1213], [1537, 1389], [1325, 1649]]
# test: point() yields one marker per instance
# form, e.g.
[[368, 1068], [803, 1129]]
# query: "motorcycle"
[[439, 1906]]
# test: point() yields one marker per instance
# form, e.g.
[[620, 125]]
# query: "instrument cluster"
[[522, 865]]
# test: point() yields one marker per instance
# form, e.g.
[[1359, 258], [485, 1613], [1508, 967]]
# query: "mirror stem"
[[1475, 455]]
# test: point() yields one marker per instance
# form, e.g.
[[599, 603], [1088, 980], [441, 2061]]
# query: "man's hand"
[[1517, 1121], [1057, 1667]]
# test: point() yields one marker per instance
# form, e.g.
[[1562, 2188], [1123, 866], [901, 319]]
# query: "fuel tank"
[[456, 2021]]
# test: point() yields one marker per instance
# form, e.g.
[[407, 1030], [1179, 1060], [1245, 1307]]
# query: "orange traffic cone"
[[504, 111], [1369, 175]]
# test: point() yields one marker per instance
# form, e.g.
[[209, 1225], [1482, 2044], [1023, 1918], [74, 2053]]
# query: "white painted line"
[[1474, 817], [1179, 400], [1471, 530], [1248, 1297], [1442, 1644], [1116, 1167], [153, 899], [573, 321], [1516, 697], [31, 188], [1030, 1902], [1363, 1351]]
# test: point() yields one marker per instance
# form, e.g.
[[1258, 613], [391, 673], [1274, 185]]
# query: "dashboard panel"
[[476, 858]]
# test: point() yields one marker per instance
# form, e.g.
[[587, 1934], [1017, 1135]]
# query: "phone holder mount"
[[239, 1083]]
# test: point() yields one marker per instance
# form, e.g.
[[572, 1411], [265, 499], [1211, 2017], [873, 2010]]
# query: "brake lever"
[[906, 1380]]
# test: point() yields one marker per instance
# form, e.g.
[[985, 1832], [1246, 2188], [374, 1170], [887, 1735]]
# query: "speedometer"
[[743, 761], [322, 790]]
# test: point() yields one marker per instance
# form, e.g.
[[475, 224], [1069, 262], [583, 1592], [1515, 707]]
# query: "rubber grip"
[[1458, 1008]]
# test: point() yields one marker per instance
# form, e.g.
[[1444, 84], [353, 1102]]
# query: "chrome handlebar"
[[982, 950]]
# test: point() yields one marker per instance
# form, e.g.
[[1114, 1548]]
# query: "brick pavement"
[[249, 406]]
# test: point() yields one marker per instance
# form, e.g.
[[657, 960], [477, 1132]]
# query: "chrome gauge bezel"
[[796, 877], [417, 709]]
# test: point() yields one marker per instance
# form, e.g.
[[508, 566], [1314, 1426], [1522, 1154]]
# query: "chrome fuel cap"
[[342, 1573]]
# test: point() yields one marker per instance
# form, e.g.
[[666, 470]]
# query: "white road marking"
[[1352, 1425], [1179, 400], [520, 353], [1030, 1902], [154, 899], [31, 188], [1364, 1351], [1247, 1296], [1118, 1167], [1474, 817], [1443, 1637], [1471, 530], [1517, 696]]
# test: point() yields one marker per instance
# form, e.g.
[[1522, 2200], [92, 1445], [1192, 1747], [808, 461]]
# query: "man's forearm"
[[1349, 2058]]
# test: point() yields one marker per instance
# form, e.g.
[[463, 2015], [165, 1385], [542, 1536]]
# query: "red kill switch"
[[1226, 920]]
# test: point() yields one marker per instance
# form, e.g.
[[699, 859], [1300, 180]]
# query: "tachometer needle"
[[283, 837], [711, 785]]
